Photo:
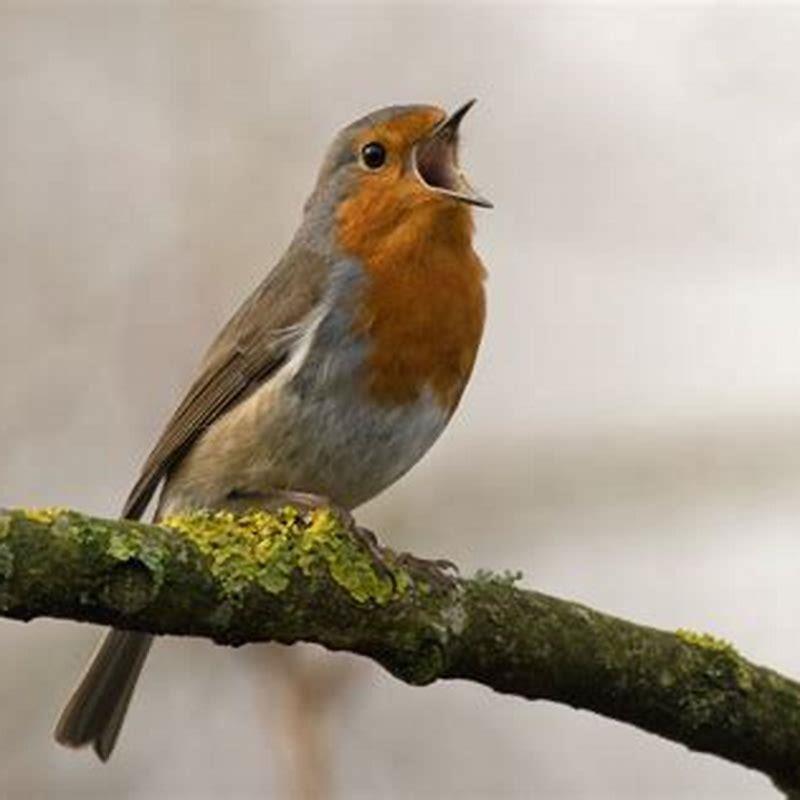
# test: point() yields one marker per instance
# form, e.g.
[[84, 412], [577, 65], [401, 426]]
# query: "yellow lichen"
[[266, 548], [46, 515], [706, 641]]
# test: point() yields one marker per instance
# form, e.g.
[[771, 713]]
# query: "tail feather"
[[95, 711]]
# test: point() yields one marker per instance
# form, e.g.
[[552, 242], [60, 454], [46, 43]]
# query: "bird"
[[335, 375]]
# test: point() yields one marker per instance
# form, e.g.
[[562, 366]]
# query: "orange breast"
[[423, 308]]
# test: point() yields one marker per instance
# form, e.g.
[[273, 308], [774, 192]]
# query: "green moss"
[[132, 544], [6, 563], [266, 548], [122, 547], [6, 574], [130, 587]]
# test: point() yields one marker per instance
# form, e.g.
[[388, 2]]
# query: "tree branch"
[[287, 577]]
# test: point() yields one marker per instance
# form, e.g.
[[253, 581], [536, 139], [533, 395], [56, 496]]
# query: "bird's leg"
[[366, 537], [438, 571]]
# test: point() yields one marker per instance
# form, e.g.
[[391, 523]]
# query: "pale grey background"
[[631, 435]]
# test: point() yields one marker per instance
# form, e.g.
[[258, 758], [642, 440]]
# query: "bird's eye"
[[373, 155]]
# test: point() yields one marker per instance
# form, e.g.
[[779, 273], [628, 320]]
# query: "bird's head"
[[395, 173]]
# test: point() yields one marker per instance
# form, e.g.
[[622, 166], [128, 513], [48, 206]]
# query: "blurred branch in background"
[[288, 577]]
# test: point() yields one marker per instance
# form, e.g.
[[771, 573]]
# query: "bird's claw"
[[439, 571], [381, 559]]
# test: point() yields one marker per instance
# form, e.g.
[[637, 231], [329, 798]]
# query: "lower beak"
[[435, 161]]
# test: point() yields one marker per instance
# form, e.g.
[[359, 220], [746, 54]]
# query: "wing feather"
[[253, 345]]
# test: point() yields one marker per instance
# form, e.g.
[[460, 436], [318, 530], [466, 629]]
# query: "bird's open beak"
[[435, 161]]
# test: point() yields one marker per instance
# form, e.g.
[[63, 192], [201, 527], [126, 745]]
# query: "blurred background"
[[631, 438]]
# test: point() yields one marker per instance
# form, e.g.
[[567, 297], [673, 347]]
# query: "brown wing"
[[247, 351]]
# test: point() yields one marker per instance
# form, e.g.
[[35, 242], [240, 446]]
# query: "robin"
[[338, 372]]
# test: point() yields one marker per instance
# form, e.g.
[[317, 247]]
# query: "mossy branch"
[[289, 577]]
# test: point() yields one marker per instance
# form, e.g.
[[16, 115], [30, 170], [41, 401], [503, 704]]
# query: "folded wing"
[[253, 345]]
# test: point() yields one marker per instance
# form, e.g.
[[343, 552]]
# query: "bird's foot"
[[382, 559], [276, 499], [438, 571]]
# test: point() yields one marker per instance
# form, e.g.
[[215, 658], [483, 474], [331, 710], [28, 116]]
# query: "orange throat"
[[423, 307]]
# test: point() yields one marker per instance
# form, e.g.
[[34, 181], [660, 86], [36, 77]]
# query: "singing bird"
[[336, 374]]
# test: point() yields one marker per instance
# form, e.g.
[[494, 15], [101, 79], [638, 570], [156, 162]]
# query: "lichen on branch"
[[266, 548], [293, 576]]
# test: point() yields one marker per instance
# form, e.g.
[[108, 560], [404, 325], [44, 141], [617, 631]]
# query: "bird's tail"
[[95, 711]]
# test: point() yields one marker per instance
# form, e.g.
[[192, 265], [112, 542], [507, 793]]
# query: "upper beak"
[[435, 161]]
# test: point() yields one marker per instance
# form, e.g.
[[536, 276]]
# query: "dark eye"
[[373, 155]]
